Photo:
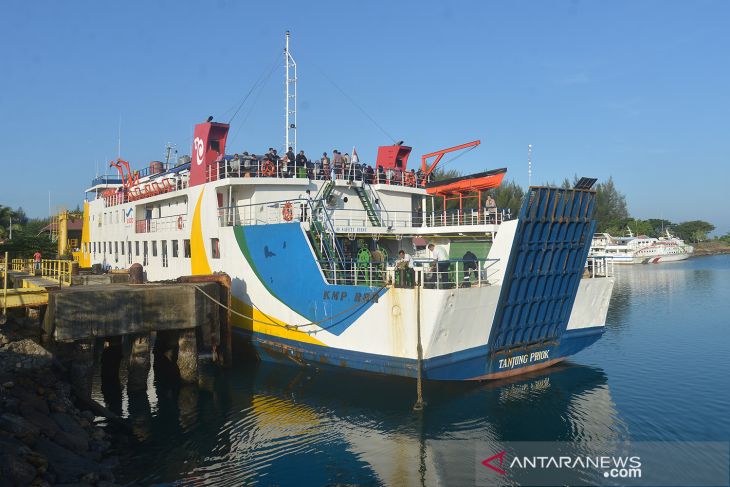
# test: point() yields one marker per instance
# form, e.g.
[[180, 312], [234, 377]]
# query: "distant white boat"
[[639, 250]]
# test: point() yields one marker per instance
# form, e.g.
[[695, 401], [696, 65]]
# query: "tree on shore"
[[509, 195], [611, 212], [26, 234], [693, 231], [611, 207]]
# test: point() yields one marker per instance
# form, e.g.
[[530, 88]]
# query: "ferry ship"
[[311, 251], [639, 250]]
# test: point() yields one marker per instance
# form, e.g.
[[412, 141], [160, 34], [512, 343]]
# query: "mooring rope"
[[271, 321]]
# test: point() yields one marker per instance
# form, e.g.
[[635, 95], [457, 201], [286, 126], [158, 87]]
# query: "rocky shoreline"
[[711, 248], [45, 437]]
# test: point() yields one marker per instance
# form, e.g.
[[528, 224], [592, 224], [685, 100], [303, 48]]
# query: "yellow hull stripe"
[[198, 259], [259, 325]]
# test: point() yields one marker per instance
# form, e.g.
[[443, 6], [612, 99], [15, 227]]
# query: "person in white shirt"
[[440, 263], [405, 276], [405, 261]]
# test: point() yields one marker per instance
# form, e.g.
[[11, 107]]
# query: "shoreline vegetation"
[[711, 247]]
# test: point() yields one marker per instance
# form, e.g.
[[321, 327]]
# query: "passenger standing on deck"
[[285, 166], [234, 166], [301, 165], [406, 275], [325, 166], [306, 204], [440, 264], [405, 261], [220, 163], [246, 159], [490, 209], [337, 163], [359, 170], [291, 159], [347, 174], [37, 259]]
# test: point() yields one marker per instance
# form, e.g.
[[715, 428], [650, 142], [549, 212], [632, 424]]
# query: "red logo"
[[500, 456]]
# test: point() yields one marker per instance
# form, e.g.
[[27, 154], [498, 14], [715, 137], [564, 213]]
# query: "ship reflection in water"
[[260, 423]]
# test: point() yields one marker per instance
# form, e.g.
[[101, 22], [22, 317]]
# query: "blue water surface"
[[661, 373]]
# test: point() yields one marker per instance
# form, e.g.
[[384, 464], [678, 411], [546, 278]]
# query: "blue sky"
[[635, 90]]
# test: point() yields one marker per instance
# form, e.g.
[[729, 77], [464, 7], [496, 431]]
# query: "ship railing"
[[113, 199], [265, 213], [395, 219], [451, 274], [146, 189], [278, 212], [599, 266], [106, 179], [263, 168], [470, 216], [53, 269], [161, 224]]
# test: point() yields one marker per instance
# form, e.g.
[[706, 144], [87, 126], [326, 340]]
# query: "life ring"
[[410, 179], [286, 212], [179, 223], [267, 169]]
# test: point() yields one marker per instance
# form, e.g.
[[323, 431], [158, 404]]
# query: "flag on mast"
[[355, 159]]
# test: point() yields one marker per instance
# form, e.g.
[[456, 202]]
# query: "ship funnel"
[[209, 142]]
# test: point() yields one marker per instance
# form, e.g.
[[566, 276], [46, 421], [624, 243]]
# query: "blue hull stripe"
[[282, 258], [464, 365]]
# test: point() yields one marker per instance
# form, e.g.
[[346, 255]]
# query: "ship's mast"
[[291, 98], [529, 165]]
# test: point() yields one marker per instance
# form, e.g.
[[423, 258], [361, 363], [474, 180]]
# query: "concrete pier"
[[121, 309], [186, 327]]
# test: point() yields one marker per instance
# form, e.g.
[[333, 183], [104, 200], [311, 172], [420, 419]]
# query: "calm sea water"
[[661, 372]]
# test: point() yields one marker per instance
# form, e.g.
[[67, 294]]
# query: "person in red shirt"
[[37, 259]]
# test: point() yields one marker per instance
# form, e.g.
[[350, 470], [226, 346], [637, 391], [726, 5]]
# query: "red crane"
[[439, 154]]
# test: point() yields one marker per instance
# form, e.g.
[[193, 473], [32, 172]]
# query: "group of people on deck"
[[339, 166]]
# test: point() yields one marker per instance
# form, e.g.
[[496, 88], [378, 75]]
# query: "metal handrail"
[[263, 168], [599, 266], [165, 183], [161, 224], [452, 275], [272, 212], [58, 270]]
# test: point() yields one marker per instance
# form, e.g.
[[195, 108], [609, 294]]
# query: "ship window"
[[186, 248], [154, 248], [104, 246], [116, 247], [174, 247], [136, 248], [164, 253], [144, 253], [215, 248], [122, 245]]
